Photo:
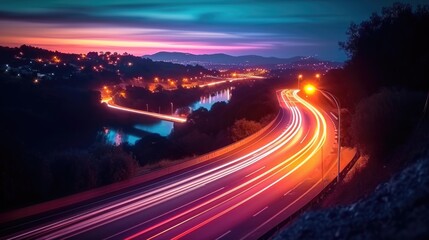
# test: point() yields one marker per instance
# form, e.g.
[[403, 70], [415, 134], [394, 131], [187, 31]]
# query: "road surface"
[[239, 195]]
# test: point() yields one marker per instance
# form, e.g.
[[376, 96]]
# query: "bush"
[[385, 120], [243, 128]]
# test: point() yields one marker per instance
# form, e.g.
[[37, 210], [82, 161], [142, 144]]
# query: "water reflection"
[[116, 137], [163, 128], [208, 101]]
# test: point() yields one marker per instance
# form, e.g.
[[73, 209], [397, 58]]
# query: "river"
[[117, 136]]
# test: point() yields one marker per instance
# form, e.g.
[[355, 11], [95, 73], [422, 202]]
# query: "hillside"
[[398, 209], [91, 69], [219, 60]]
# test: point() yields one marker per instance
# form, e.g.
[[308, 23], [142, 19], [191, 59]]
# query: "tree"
[[390, 49], [243, 128], [384, 121]]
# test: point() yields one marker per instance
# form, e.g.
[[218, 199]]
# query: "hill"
[[221, 60]]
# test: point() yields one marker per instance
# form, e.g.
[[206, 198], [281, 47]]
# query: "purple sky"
[[281, 28]]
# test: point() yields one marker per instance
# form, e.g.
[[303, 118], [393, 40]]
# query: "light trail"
[[151, 114], [160, 195], [313, 145], [243, 77], [196, 201]]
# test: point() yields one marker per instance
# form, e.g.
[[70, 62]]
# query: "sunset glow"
[[268, 28]]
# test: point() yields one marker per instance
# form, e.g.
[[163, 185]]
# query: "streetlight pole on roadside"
[[299, 79], [310, 89], [172, 107]]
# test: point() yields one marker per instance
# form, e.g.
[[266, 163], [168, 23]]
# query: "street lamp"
[[299, 79], [317, 76], [171, 103], [310, 89]]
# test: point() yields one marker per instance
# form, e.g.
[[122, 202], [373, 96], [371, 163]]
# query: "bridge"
[[166, 117]]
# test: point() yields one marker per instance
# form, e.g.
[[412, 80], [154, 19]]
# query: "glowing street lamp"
[[299, 79], [310, 89], [318, 76]]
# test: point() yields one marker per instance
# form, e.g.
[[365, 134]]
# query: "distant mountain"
[[222, 60]]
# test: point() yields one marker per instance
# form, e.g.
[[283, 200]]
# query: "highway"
[[240, 194]]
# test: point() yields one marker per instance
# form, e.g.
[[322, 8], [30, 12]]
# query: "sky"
[[279, 28]]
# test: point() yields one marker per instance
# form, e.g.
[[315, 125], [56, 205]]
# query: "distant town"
[[96, 69]]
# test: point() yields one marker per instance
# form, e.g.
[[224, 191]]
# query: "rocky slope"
[[398, 209]]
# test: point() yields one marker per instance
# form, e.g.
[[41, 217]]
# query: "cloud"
[[232, 25]]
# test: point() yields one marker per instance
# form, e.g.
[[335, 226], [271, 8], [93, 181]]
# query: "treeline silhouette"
[[385, 82]]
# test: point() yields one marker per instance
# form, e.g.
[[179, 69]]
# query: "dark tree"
[[390, 49], [385, 120]]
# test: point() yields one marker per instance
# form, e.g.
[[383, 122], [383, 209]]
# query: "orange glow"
[[309, 89], [317, 75], [106, 100], [300, 76], [56, 59]]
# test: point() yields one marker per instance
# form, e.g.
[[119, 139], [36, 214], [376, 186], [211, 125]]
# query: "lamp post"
[[310, 89], [172, 107], [299, 79]]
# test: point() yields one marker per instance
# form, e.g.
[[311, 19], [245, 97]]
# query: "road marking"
[[256, 214], [288, 192], [254, 171], [305, 136], [175, 209], [223, 235]]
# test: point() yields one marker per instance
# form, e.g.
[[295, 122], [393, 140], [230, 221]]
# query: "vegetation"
[[28, 177], [243, 128], [384, 82], [389, 50], [385, 120]]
